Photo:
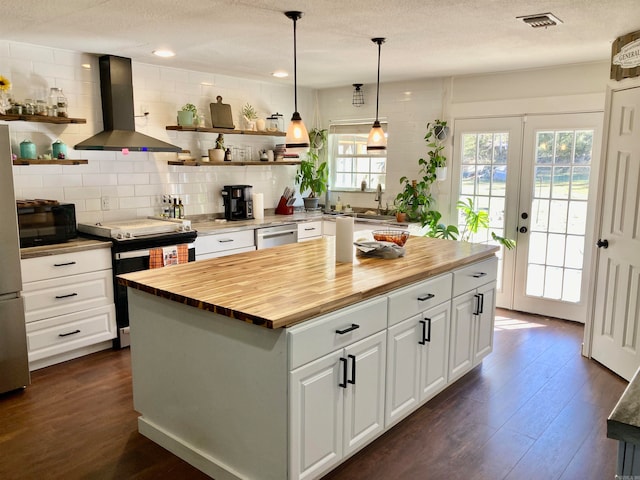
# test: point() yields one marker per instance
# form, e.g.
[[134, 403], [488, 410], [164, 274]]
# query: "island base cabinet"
[[336, 406], [417, 356], [472, 323]]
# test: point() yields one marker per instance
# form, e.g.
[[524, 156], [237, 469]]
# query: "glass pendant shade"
[[376, 142], [297, 139]]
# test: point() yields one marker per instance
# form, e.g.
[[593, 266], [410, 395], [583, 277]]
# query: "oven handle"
[[141, 253]]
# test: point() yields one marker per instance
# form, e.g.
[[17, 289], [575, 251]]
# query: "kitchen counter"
[[281, 286], [76, 245], [623, 425]]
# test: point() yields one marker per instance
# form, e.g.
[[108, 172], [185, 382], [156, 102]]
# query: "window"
[[349, 161]]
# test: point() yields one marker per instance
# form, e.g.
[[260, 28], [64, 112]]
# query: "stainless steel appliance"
[[14, 363], [278, 235], [132, 245], [45, 222], [238, 204]]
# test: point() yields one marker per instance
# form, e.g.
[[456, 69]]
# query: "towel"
[[163, 256]]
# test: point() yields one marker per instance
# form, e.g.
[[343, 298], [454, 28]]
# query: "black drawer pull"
[[353, 370], [227, 240], [308, 229], [427, 338], [344, 372], [426, 297], [63, 264], [67, 334], [348, 329], [58, 297], [479, 275], [481, 310], [424, 332]]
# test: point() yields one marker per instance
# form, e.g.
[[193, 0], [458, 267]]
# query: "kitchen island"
[[245, 366]]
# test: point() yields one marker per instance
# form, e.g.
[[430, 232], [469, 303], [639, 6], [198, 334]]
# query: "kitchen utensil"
[[221, 116]]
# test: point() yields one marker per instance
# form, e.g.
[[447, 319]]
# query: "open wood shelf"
[[228, 131], [199, 163], [66, 161], [11, 117]]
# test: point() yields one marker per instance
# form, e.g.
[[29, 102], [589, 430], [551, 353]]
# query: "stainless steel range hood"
[[116, 87]]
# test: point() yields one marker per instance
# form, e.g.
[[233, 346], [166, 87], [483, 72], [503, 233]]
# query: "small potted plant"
[[436, 134], [187, 115], [313, 177], [318, 138], [217, 154], [250, 116], [401, 210]]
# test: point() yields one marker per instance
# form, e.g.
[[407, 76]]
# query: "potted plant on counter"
[[187, 115], [314, 177]]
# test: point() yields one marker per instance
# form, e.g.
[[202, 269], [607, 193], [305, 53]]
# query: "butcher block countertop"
[[281, 286]]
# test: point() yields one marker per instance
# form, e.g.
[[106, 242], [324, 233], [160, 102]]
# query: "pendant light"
[[297, 139], [377, 142]]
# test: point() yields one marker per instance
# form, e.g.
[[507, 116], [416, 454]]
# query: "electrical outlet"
[[106, 203]]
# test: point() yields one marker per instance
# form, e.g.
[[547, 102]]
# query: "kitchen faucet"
[[379, 198]]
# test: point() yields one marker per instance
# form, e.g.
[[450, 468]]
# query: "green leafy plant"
[[312, 176], [190, 107], [477, 220], [220, 141], [318, 138], [249, 112]]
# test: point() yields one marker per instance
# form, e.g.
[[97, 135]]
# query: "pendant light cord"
[[295, 66], [379, 41]]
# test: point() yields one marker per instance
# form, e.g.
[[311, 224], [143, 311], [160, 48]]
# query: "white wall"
[[135, 182]]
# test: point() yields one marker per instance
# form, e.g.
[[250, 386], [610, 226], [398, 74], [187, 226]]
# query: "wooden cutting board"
[[221, 114]]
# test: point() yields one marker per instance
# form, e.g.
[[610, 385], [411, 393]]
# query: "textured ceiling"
[[252, 38]]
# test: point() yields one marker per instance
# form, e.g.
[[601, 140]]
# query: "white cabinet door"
[[434, 350], [364, 393], [461, 337], [316, 409], [403, 375], [484, 322]]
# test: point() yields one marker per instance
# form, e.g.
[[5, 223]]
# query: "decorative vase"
[[441, 174], [216, 154], [185, 118], [261, 125]]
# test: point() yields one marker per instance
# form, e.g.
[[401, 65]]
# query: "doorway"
[[536, 178]]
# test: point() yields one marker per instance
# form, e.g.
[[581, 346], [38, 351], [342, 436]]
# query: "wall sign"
[[625, 56]]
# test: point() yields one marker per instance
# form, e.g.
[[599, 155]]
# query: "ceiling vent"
[[541, 20]]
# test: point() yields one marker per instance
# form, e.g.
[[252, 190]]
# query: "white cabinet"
[[418, 346], [222, 244], [309, 230], [472, 316], [336, 401], [69, 308]]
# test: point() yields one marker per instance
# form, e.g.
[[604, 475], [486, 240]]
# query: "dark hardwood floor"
[[535, 409]]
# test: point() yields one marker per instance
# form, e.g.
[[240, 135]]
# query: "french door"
[[533, 175]]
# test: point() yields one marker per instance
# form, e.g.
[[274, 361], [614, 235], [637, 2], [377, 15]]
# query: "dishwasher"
[[277, 235]]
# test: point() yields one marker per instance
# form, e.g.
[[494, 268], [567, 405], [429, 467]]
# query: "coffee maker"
[[238, 204]]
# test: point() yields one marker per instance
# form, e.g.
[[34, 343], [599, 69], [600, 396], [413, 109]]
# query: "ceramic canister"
[[27, 149], [58, 148]]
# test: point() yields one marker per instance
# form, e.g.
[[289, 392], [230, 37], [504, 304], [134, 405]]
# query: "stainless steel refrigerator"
[[14, 364]]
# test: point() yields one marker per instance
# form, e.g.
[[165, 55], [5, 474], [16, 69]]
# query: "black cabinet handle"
[[344, 372], [477, 309], [67, 334], [348, 329], [479, 275], [424, 332], [602, 243], [309, 229], [227, 240], [481, 302], [426, 297], [427, 338], [63, 264], [58, 297], [353, 370]]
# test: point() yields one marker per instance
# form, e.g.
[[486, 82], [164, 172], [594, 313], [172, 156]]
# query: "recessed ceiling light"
[[164, 53], [87, 66], [280, 74], [541, 20]]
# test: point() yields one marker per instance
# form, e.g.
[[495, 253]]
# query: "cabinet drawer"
[[309, 230], [50, 298], [56, 266], [417, 298], [223, 253], [317, 337], [224, 241], [68, 332], [473, 276]]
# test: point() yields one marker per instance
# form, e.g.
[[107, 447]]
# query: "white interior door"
[[555, 219], [616, 321]]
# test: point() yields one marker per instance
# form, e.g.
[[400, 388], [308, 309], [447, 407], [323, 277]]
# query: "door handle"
[[353, 370], [422, 341], [344, 372], [426, 297], [477, 309], [602, 243], [523, 230], [427, 338], [353, 326]]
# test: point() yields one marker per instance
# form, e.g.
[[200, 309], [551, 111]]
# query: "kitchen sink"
[[370, 216]]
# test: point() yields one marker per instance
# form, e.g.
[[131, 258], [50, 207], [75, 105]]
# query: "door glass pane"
[[558, 214]]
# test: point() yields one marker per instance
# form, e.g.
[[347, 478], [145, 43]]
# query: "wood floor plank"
[[534, 409]]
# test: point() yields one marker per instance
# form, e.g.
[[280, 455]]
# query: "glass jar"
[[58, 100], [29, 107]]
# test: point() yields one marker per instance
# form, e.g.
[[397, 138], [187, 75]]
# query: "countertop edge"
[[79, 244], [623, 423]]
